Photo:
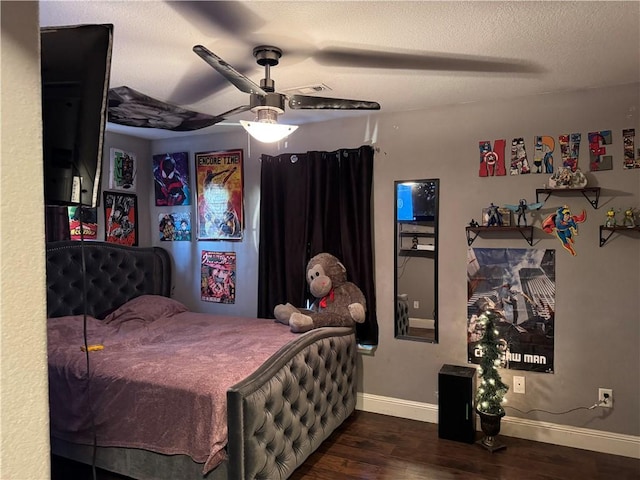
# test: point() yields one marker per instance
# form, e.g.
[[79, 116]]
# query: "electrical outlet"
[[416, 304], [518, 384], [605, 397]]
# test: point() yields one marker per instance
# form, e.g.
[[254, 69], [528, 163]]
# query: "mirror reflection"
[[416, 259]]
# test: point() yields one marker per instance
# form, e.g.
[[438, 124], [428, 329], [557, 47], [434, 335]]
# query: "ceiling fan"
[[132, 108], [265, 102]]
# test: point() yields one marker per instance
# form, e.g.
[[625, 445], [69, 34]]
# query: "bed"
[[272, 415]]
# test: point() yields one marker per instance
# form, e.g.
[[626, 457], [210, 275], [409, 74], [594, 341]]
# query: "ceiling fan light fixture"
[[266, 129], [268, 132]]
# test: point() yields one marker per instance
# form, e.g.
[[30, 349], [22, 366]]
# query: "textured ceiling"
[[554, 46]]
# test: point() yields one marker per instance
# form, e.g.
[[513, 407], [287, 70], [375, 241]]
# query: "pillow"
[[146, 308]]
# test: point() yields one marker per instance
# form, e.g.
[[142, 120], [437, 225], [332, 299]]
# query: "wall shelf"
[[473, 232], [415, 252], [611, 230], [417, 234], [414, 232], [592, 194]]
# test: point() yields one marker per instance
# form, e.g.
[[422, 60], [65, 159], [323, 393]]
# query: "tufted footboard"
[[281, 413]]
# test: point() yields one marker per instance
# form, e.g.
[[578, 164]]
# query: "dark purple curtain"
[[311, 203]]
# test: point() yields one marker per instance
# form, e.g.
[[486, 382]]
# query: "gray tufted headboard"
[[114, 275]]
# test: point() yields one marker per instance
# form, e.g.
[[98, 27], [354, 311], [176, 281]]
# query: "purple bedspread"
[[159, 384]]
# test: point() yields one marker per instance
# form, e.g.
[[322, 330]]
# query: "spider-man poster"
[[171, 179], [219, 185]]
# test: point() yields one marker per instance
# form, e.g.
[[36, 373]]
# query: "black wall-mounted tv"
[[416, 201], [75, 67]]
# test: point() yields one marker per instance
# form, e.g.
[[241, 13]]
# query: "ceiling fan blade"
[[212, 18], [198, 84], [300, 102], [241, 82], [134, 109], [427, 61], [234, 111]]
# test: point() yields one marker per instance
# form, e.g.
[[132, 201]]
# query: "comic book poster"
[[521, 284], [175, 226], [123, 169], [88, 218], [218, 270], [219, 186], [121, 218], [171, 179]]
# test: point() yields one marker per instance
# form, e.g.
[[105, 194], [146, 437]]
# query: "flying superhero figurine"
[[564, 226], [522, 208]]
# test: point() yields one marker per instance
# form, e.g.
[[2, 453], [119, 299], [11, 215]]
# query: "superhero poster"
[[218, 277], [219, 184], [121, 218], [175, 226], [171, 179], [520, 284], [83, 223], [122, 174]]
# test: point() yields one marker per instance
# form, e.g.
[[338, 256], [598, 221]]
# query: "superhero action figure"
[[564, 225], [522, 208], [629, 220], [611, 218], [494, 217]]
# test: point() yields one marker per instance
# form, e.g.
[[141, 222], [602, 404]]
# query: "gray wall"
[[141, 148], [597, 333]]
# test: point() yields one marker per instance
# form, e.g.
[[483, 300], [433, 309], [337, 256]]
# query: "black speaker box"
[[456, 415]]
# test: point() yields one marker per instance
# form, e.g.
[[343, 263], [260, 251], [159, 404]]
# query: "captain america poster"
[[521, 285]]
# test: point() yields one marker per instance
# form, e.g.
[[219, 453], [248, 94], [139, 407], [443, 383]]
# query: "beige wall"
[[24, 418]]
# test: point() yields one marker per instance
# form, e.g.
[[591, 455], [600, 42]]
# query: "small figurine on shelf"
[[494, 216], [522, 208], [473, 223], [611, 218], [629, 218], [566, 178]]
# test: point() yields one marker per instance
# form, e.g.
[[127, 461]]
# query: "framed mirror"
[[416, 259]]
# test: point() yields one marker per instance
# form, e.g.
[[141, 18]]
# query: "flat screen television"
[[416, 201], [75, 67]]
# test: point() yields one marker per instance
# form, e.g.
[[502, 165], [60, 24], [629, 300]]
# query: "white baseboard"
[[428, 323], [568, 436]]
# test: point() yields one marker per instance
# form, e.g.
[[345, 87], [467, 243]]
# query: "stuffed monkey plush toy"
[[338, 303]]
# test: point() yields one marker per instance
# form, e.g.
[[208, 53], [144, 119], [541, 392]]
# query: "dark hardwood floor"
[[378, 447]]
